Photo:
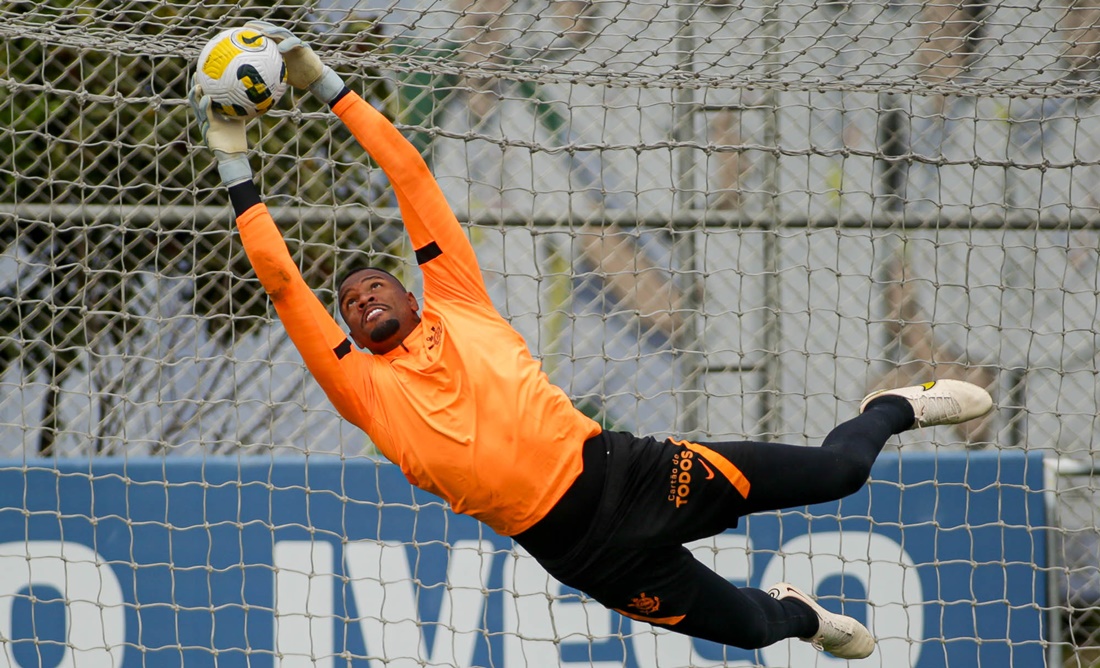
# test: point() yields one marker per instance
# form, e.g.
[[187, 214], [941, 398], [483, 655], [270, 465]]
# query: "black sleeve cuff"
[[339, 96], [244, 196]]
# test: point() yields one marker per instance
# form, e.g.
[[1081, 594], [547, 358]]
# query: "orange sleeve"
[[314, 332], [444, 253]]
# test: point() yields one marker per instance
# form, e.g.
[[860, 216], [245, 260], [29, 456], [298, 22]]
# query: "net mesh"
[[719, 220]]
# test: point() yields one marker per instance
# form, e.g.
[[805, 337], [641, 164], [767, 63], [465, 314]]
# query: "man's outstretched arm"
[[314, 332], [442, 249]]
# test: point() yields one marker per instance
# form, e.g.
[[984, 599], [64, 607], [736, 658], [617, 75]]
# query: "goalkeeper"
[[449, 392]]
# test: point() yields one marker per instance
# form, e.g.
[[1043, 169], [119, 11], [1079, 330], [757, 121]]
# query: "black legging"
[[785, 476], [618, 533]]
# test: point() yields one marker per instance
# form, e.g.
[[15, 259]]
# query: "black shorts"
[[618, 533]]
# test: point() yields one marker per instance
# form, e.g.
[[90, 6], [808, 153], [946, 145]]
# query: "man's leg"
[[685, 491], [668, 587], [785, 476], [782, 476], [674, 492]]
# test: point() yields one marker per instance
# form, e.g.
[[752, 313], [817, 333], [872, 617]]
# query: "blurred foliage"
[[82, 126]]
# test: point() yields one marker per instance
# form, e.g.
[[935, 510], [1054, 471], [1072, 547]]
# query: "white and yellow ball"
[[242, 72]]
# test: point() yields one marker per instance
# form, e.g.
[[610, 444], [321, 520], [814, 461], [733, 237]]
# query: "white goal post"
[[714, 219]]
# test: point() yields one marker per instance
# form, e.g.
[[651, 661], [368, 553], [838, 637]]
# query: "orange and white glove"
[[304, 69], [224, 136]]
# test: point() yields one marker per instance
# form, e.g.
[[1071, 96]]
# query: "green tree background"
[[86, 126]]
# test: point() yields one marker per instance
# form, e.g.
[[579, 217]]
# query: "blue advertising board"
[[281, 562]]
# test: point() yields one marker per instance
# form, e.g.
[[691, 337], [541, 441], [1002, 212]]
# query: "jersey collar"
[[412, 345]]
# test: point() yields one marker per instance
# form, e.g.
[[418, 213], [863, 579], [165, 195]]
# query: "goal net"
[[717, 220]]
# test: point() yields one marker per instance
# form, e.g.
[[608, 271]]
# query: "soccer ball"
[[242, 72]]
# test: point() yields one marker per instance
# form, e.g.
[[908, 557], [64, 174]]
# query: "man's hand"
[[303, 66], [224, 136], [304, 69]]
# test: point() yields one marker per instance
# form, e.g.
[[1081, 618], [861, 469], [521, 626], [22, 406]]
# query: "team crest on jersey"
[[646, 605], [435, 336]]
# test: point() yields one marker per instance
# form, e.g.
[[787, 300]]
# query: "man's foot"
[[940, 402], [839, 635]]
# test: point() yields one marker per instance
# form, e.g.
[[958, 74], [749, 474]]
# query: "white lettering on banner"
[[888, 574], [536, 617], [386, 599], [385, 595], [95, 616], [538, 620], [730, 555], [304, 590]]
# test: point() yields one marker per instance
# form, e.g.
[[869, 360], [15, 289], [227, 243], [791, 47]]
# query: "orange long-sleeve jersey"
[[461, 406]]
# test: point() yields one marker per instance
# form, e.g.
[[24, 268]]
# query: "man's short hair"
[[364, 267]]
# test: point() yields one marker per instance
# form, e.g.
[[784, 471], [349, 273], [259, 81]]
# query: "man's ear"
[[413, 305]]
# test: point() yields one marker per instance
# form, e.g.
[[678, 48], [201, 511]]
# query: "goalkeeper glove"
[[304, 69], [224, 136]]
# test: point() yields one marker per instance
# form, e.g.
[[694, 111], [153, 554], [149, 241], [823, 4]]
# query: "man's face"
[[378, 310]]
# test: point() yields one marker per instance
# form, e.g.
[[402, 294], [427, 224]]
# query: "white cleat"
[[940, 402], [839, 635]]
